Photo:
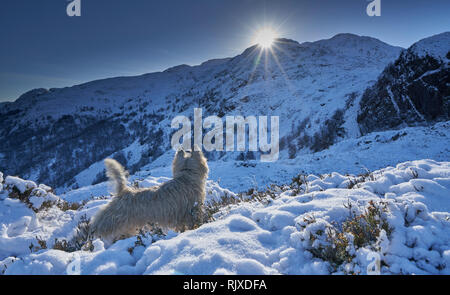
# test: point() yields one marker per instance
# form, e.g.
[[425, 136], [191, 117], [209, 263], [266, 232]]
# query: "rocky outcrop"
[[412, 90]]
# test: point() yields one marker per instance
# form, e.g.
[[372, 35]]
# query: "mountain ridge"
[[277, 40]]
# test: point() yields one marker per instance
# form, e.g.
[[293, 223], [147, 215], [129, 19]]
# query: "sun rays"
[[268, 46]]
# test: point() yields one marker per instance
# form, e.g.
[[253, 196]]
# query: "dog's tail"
[[116, 174]]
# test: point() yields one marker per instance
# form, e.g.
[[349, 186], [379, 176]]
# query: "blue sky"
[[42, 47]]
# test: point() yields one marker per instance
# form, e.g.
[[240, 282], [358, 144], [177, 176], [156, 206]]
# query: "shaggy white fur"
[[174, 204]]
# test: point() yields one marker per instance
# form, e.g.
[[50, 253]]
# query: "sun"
[[265, 37]]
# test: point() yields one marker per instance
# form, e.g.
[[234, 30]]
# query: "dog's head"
[[190, 162]]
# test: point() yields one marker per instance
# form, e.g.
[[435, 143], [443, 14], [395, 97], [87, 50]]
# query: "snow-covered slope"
[[330, 224], [436, 46], [53, 135], [355, 155]]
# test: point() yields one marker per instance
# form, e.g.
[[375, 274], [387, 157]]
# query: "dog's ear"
[[197, 148], [197, 152], [180, 153]]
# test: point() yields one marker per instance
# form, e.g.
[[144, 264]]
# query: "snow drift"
[[315, 225]]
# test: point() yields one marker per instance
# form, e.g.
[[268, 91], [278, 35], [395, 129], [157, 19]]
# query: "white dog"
[[174, 204]]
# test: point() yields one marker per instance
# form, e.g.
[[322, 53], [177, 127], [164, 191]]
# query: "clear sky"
[[40, 46]]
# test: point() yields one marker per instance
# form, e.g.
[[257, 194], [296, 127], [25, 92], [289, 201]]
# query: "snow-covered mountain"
[[413, 89], [53, 135], [324, 92]]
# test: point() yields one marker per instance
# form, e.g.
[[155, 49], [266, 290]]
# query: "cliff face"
[[413, 90]]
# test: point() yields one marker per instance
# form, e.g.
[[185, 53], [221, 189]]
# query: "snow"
[[391, 97], [20, 184], [251, 237], [437, 46]]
